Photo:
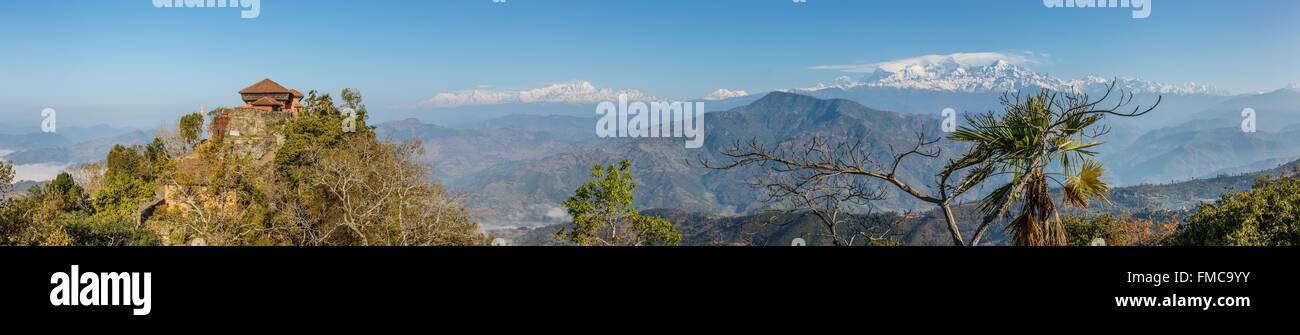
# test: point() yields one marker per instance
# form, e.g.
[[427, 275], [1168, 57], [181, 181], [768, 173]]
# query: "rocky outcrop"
[[252, 133]]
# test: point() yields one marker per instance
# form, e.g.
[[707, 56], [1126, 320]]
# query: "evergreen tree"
[[603, 214]]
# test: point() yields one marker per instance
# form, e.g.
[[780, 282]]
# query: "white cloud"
[[723, 94], [962, 58], [569, 92], [38, 172]]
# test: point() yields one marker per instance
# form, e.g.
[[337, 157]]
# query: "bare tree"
[[837, 172], [829, 197], [211, 196], [812, 162], [380, 195], [89, 175], [172, 141]]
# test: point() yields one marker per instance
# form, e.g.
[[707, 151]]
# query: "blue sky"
[[127, 63]]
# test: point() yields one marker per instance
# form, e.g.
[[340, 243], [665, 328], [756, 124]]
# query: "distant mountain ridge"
[[32, 141], [83, 152], [1000, 76], [458, 153], [529, 192], [1213, 141]]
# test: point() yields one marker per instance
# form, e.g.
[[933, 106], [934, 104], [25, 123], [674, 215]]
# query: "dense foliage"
[[1124, 230], [1268, 215], [329, 185], [603, 214]]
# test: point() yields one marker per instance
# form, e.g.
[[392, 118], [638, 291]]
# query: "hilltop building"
[[271, 96], [253, 131]]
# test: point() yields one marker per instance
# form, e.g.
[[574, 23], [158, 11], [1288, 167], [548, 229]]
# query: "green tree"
[[603, 214], [319, 128], [70, 195], [156, 151], [1036, 141], [191, 129], [1267, 215], [31, 219], [352, 99], [60, 214], [156, 155], [127, 162], [322, 104], [120, 198]]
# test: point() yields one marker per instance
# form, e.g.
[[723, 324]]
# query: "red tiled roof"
[[264, 86], [267, 101], [296, 93]]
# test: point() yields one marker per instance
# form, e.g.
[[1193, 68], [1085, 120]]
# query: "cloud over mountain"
[[962, 58]]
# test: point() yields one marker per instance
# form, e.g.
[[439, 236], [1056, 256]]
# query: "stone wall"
[[254, 133]]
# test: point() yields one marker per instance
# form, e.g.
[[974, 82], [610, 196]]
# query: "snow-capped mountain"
[[923, 74], [1000, 76], [723, 94], [570, 92]]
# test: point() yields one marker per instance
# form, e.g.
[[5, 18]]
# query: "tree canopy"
[[1267, 215], [603, 214]]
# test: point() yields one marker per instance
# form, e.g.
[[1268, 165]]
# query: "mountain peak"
[[998, 76], [777, 96], [951, 75], [723, 94]]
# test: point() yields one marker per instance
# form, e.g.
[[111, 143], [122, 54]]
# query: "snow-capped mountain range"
[[723, 94], [569, 92], [1000, 76], [944, 76]]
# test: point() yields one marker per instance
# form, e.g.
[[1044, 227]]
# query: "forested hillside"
[[326, 179]]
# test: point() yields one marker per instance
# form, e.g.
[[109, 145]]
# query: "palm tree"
[[1038, 141]]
